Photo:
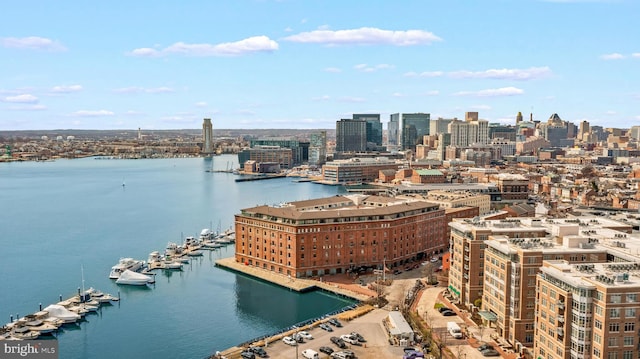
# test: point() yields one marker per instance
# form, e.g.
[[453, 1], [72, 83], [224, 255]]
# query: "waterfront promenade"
[[337, 284]]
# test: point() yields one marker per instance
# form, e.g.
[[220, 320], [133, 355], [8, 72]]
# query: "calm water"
[[60, 219]]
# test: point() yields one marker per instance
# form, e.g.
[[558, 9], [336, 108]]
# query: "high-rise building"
[[470, 116], [413, 127], [299, 149], [318, 148], [469, 132], [441, 125], [374, 129], [351, 135], [207, 137], [393, 131]]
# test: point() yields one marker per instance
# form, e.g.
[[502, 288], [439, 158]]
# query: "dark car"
[[247, 355], [326, 327], [485, 347], [359, 337], [259, 351], [326, 350], [490, 353], [442, 309], [335, 322], [448, 313], [339, 342]]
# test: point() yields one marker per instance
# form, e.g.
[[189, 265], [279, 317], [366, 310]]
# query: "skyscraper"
[[393, 131], [207, 137], [351, 135], [318, 148], [413, 127], [374, 128]]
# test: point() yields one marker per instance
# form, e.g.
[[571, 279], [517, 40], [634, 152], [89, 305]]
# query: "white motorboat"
[[125, 264], [100, 297], [41, 327], [172, 265], [154, 257], [205, 235], [133, 278], [62, 313], [24, 333], [195, 254]]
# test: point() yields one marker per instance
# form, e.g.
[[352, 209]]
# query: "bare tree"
[[428, 271]]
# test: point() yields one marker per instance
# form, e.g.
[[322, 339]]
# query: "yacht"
[[100, 297], [134, 278], [125, 264]]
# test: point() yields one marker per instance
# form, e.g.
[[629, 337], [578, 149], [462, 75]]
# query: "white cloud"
[[288, 29], [612, 56], [137, 89], [159, 90], [424, 74], [367, 68], [398, 94], [611, 112], [351, 99], [332, 70], [201, 104], [93, 113], [636, 55], [23, 98], [432, 93], [365, 36], [32, 43], [503, 91], [321, 98], [246, 112], [246, 46], [504, 74], [66, 89], [133, 113], [28, 108]]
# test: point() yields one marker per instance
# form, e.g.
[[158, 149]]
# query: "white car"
[[434, 259], [349, 339], [305, 335], [290, 341]]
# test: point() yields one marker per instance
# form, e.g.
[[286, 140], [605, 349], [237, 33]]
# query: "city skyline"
[[288, 64]]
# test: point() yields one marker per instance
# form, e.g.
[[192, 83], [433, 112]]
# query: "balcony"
[[560, 321], [560, 305], [560, 332]]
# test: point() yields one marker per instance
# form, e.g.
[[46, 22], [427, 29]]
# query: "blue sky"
[[306, 64]]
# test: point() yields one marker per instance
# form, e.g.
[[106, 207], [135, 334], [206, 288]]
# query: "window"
[[629, 327], [628, 341], [632, 298], [613, 341], [598, 324], [614, 312], [614, 327], [630, 313], [615, 298]]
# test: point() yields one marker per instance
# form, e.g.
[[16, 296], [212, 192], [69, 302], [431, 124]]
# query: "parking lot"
[[369, 326]]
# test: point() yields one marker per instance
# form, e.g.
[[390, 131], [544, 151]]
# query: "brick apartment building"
[[335, 234]]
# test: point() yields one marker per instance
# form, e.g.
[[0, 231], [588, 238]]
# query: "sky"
[[307, 64]]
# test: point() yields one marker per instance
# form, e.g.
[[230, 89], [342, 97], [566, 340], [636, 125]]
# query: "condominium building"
[[356, 169], [518, 261], [351, 135], [207, 136], [454, 199], [335, 234]]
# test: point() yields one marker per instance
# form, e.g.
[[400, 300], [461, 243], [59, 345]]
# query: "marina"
[[81, 205]]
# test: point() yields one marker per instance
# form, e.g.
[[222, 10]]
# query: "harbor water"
[[63, 224]]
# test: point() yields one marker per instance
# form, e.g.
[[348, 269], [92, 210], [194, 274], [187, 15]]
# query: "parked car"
[[339, 355], [397, 271], [290, 341], [305, 335], [326, 327], [448, 313], [259, 351], [326, 350], [490, 353], [339, 342], [359, 337], [413, 355], [349, 354], [247, 355], [442, 309], [349, 339], [335, 322], [434, 259], [485, 347]]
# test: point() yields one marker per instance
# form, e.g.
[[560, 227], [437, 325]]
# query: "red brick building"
[[336, 234]]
